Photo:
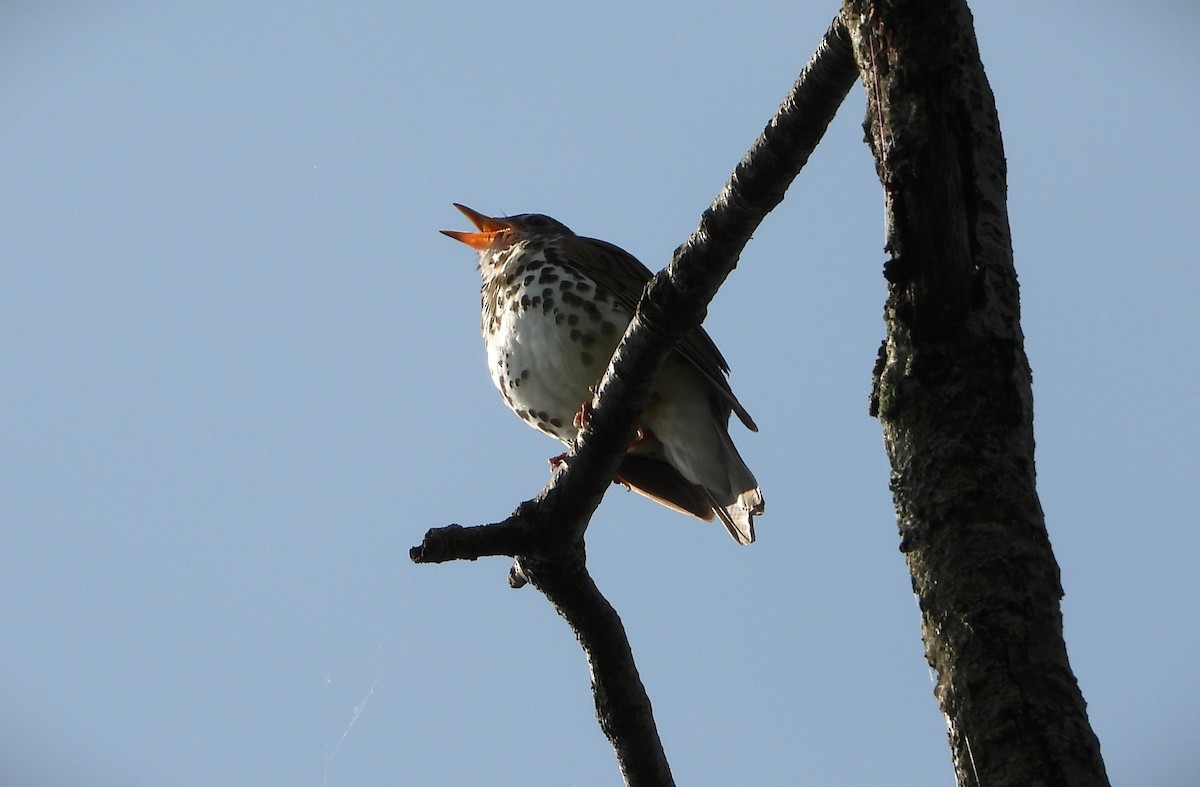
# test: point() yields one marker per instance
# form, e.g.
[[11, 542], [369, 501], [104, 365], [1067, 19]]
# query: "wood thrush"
[[555, 306]]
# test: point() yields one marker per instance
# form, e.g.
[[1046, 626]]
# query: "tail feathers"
[[660, 481], [738, 516]]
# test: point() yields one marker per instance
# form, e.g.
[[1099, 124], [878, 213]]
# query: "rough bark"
[[953, 395], [546, 534]]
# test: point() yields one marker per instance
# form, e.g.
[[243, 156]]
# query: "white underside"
[[559, 379]]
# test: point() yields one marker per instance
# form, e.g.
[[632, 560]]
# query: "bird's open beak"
[[489, 229]]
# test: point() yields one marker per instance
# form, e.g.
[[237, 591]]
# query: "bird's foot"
[[585, 410], [643, 435], [583, 416]]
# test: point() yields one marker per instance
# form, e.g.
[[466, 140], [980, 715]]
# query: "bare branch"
[[622, 704]]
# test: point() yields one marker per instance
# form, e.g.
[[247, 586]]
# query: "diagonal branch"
[[676, 300], [545, 534], [674, 303]]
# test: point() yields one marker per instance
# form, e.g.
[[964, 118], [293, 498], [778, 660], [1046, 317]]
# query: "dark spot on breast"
[[607, 328], [586, 358], [572, 319]]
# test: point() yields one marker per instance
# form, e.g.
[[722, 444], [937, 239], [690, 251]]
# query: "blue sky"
[[242, 376]]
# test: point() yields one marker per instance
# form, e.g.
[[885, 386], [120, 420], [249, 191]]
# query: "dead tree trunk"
[[953, 394]]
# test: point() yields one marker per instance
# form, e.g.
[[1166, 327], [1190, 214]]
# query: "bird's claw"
[[583, 416]]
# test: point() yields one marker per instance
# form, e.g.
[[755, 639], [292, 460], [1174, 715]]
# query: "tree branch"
[[546, 534]]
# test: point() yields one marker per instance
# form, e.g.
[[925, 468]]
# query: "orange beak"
[[489, 229]]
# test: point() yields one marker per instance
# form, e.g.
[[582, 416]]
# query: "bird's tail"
[[735, 499], [739, 499]]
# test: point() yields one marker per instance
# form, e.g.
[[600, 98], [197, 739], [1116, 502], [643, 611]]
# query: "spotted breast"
[[549, 332]]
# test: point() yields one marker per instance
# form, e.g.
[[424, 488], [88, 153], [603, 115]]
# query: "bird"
[[554, 307]]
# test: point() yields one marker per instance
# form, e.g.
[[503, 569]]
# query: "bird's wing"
[[624, 276]]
